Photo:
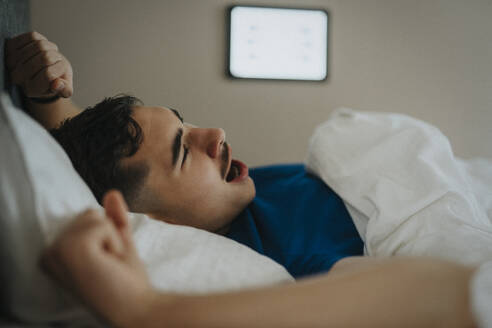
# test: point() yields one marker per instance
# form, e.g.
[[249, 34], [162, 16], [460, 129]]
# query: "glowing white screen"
[[277, 43]]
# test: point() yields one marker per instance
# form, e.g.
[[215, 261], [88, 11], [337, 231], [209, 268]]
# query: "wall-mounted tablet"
[[278, 43]]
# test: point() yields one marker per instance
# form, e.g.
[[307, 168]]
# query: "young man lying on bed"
[[421, 202], [179, 173], [188, 184]]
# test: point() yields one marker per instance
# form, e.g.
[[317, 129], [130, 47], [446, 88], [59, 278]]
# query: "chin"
[[252, 196], [249, 199], [250, 193]]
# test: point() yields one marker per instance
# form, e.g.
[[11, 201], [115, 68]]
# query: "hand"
[[37, 66], [96, 259]]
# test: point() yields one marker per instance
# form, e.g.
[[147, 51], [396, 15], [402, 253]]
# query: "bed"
[[41, 193], [14, 19]]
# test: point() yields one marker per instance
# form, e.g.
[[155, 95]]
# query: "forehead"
[[146, 115], [159, 126]]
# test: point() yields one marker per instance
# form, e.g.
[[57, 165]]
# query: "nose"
[[209, 140]]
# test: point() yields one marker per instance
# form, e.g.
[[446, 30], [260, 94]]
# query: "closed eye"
[[185, 154]]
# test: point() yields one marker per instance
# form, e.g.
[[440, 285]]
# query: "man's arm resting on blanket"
[[43, 73], [393, 293], [413, 292]]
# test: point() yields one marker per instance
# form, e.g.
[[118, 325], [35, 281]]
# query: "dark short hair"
[[98, 139]]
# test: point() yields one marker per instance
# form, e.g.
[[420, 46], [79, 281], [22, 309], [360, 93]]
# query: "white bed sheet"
[[405, 189]]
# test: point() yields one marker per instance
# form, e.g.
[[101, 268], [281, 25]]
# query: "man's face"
[[190, 171]]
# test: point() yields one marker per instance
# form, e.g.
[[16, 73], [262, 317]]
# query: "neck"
[[222, 231]]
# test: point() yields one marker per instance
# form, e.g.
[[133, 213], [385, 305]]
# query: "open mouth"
[[234, 171], [238, 171]]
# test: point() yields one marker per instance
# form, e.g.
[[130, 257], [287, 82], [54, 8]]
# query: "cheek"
[[203, 182], [202, 201]]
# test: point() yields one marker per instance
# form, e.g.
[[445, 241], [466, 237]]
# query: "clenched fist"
[[38, 67]]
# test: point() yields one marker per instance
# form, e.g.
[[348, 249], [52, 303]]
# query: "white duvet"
[[406, 191]]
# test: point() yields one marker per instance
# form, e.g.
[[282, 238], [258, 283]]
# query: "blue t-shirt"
[[296, 220]]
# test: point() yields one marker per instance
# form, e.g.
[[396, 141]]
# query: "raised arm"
[[411, 292], [44, 75]]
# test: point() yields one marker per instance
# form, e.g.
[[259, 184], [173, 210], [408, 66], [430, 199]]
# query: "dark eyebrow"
[[177, 114], [177, 139], [177, 146]]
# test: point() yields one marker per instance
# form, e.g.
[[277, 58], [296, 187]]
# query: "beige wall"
[[430, 59]]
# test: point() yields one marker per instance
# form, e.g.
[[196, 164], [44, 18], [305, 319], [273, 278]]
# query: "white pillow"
[[34, 200], [41, 192]]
